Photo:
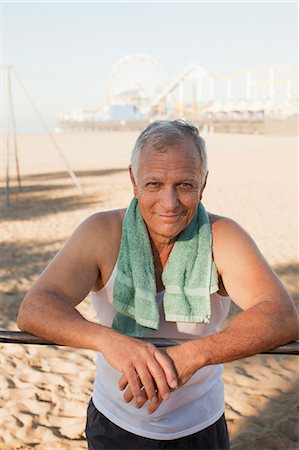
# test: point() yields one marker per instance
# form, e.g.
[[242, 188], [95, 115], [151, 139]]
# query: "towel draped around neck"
[[189, 277]]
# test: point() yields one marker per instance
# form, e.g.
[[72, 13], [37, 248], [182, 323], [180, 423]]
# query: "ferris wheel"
[[136, 77]]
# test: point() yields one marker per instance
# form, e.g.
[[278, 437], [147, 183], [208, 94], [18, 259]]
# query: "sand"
[[45, 390]]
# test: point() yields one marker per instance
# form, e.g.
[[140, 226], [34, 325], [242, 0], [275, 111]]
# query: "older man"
[[162, 268]]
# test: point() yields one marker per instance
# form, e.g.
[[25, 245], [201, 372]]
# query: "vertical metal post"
[[199, 91], [248, 85], [13, 122], [211, 88], [289, 90], [181, 98], [50, 135], [228, 90], [7, 179], [7, 185], [271, 83], [168, 108], [194, 100]]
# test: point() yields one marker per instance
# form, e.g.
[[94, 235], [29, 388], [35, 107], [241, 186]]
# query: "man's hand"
[[179, 358], [148, 372]]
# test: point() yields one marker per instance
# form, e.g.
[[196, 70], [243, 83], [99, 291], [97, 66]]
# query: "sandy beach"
[[45, 390]]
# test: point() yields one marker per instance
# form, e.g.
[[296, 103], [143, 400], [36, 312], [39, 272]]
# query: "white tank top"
[[193, 407]]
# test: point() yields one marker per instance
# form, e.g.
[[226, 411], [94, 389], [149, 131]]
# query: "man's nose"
[[169, 199]]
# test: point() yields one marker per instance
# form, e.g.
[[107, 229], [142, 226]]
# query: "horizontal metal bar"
[[18, 337]]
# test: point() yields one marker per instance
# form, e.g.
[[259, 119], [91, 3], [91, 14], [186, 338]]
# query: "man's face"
[[168, 188]]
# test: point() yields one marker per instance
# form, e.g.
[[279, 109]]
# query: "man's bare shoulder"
[[105, 221], [225, 227], [214, 218], [95, 243], [231, 243], [100, 234]]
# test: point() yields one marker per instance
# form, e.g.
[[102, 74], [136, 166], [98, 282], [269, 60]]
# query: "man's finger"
[[148, 380], [134, 383], [158, 374], [168, 367], [123, 382], [152, 407], [128, 397]]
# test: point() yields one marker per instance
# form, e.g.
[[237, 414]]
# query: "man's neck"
[[161, 252]]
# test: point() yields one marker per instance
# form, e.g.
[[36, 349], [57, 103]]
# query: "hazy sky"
[[63, 51]]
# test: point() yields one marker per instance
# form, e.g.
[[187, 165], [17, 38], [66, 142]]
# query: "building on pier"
[[137, 92]]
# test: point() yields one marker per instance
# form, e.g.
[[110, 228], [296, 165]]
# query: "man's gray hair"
[[169, 132]]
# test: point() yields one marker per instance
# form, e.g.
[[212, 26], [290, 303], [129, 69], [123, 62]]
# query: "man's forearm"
[[259, 328], [55, 319], [52, 318]]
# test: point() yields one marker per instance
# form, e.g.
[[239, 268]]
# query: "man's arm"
[[269, 316], [268, 319], [48, 309]]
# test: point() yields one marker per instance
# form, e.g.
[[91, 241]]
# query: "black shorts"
[[103, 434]]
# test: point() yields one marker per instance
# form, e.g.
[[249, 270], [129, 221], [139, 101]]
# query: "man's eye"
[[153, 184], [185, 185]]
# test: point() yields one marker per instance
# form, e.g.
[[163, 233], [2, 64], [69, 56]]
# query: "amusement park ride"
[[137, 91]]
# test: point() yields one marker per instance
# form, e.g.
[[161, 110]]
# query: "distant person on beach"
[[162, 268]]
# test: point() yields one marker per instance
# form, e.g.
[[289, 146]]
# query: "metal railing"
[[18, 337]]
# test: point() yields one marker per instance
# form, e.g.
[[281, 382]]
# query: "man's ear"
[[133, 180], [204, 184]]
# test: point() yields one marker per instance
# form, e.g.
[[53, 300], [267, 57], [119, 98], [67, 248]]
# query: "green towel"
[[189, 277]]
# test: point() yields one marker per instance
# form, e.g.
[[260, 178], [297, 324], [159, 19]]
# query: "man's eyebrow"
[[179, 180], [151, 178], [191, 178]]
